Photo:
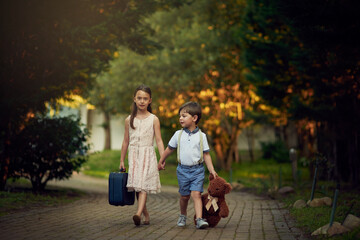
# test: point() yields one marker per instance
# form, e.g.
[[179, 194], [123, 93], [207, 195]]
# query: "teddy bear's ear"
[[211, 177], [228, 188]]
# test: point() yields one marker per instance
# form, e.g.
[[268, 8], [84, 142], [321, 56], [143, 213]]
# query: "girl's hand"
[[161, 166], [122, 165]]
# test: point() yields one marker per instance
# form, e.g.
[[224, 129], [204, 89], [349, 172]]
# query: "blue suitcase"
[[118, 192]]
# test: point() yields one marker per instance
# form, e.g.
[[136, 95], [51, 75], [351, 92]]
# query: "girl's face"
[[142, 100], [186, 120]]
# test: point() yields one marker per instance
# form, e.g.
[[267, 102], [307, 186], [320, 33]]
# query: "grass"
[[263, 174], [100, 164], [348, 202], [20, 197], [252, 175], [258, 177]]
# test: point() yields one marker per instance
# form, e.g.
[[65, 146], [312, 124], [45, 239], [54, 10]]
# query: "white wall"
[[117, 131], [262, 133], [94, 121]]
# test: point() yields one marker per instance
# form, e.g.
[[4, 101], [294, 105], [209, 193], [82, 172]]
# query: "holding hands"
[[161, 165]]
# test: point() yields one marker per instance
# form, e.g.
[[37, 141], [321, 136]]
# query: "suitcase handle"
[[122, 170]]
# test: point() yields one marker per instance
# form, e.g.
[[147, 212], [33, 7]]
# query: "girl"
[[140, 128]]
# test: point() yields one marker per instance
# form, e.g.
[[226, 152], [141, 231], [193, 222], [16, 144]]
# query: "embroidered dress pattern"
[[143, 171]]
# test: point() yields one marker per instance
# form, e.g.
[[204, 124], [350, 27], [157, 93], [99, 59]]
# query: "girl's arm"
[[125, 144], [167, 152], [158, 139], [209, 164]]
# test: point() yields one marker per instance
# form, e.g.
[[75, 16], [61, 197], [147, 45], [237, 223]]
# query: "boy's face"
[[186, 120]]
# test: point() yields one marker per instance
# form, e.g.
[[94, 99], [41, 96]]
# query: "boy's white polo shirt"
[[189, 146]]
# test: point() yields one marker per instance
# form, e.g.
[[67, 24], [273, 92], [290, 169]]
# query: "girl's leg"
[[146, 214], [184, 200], [196, 196], [141, 203], [141, 197]]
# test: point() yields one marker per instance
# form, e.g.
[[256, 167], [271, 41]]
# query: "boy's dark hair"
[[193, 108]]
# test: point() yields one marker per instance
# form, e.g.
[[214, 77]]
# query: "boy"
[[192, 151]]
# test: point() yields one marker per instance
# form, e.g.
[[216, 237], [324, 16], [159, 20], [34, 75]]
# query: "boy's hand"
[[161, 166], [214, 174]]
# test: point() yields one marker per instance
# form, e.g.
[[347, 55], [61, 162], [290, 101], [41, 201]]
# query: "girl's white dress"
[[143, 171]]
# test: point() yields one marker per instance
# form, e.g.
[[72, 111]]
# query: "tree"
[[303, 60], [52, 48], [48, 148], [198, 61]]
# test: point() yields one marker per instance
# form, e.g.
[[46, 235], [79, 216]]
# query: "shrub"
[[275, 150], [49, 148]]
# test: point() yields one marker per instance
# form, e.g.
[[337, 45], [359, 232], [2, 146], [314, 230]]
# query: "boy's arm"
[[209, 164], [167, 152]]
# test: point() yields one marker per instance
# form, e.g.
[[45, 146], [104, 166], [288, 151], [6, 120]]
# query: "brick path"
[[251, 217]]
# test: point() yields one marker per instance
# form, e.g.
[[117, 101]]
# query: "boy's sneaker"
[[201, 223], [181, 221]]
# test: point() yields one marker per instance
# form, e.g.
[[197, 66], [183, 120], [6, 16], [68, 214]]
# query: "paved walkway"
[[251, 217]]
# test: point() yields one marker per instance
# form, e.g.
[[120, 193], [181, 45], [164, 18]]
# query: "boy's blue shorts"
[[190, 178]]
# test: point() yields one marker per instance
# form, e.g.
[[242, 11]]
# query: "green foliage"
[[185, 49], [305, 62], [49, 148], [53, 48], [275, 150], [197, 53]]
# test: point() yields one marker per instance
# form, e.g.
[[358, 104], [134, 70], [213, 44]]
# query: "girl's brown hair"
[[146, 89]]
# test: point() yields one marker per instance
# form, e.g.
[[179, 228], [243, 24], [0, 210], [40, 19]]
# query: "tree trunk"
[[249, 131], [4, 172], [220, 163], [4, 157], [231, 155], [232, 149], [107, 131]]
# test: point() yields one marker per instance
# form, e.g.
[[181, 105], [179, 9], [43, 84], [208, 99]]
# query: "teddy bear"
[[214, 204]]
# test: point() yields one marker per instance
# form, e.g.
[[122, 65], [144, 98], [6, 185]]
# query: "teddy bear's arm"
[[224, 210], [204, 198]]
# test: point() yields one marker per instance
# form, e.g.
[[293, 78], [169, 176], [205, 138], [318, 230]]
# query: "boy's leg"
[[184, 200], [200, 222], [196, 196], [184, 184]]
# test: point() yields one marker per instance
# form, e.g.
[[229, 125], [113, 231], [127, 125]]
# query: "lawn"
[[260, 174], [347, 202], [100, 164], [260, 177], [20, 197]]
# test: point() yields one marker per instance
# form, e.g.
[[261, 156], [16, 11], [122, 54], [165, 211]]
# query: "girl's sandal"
[[137, 220], [146, 222]]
